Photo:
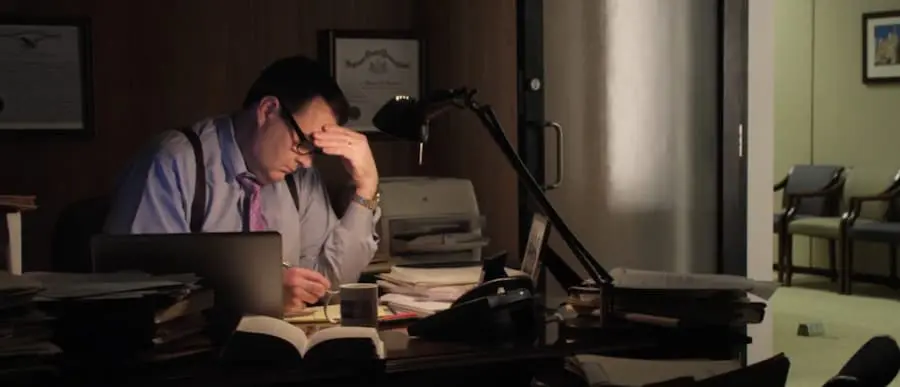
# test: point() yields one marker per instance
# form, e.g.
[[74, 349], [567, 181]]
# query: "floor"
[[849, 321]]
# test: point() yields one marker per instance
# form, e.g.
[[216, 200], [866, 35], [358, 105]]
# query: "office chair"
[[70, 249]]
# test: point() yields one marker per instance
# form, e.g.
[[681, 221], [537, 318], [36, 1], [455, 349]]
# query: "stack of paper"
[[25, 332], [12, 206], [689, 299], [429, 290], [18, 202], [124, 313], [421, 306]]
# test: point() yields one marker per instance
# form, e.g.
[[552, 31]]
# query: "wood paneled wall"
[[165, 63], [472, 43]]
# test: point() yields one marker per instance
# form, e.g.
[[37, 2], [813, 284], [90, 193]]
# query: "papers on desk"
[[437, 277], [63, 286], [123, 313], [674, 299], [419, 305], [18, 202], [425, 291], [25, 331], [646, 279], [437, 293]]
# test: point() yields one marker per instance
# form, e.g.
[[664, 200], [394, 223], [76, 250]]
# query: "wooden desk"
[[412, 361]]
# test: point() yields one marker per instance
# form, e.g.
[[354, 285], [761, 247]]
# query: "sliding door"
[[649, 97]]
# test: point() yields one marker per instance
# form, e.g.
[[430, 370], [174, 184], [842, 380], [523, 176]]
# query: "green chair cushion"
[[820, 227]]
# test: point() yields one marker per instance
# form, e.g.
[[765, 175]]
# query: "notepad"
[[316, 314]]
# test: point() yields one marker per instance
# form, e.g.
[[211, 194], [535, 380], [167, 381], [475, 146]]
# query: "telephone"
[[499, 286], [499, 309]]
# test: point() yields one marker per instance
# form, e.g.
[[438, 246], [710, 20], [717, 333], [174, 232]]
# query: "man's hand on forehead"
[[353, 147]]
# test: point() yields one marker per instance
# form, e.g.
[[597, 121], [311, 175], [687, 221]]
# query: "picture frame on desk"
[[881, 47], [46, 70], [372, 66], [537, 240]]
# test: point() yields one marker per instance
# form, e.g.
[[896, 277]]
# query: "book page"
[[265, 325], [337, 333]]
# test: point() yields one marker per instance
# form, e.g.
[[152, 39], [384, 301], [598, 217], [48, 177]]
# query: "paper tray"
[[409, 228], [447, 245]]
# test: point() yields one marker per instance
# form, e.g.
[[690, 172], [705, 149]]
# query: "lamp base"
[[591, 301]]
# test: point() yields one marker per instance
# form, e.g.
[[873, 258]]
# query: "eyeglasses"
[[303, 146]]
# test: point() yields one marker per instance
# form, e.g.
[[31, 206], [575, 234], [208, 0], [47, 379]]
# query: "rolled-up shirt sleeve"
[[339, 248]]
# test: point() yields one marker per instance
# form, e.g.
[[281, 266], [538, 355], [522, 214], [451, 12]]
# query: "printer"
[[429, 220]]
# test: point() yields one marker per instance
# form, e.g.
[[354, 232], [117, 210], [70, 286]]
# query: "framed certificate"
[[45, 77], [372, 67], [537, 239]]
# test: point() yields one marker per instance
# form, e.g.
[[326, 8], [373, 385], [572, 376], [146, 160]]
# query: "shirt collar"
[[232, 159]]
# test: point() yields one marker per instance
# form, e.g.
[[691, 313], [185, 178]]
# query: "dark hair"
[[295, 81]]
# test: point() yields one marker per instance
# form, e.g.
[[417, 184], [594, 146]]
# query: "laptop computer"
[[244, 269]]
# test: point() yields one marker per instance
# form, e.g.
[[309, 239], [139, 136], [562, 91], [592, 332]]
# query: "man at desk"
[[293, 110]]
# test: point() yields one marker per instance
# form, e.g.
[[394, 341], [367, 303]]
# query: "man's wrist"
[[367, 197], [367, 192]]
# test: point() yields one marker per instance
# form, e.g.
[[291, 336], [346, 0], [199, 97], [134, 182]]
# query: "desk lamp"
[[407, 118]]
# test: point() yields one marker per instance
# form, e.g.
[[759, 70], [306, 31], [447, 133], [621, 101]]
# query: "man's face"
[[279, 149]]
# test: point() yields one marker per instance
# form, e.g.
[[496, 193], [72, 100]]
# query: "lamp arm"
[[486, 114]]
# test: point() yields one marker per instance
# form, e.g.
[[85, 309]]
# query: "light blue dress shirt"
[[154, 197]]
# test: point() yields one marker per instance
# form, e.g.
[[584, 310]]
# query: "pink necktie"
[[256, 221]]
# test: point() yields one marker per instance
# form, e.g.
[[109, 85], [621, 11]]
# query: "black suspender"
[[198, 210], [292, 186], [198, 205]]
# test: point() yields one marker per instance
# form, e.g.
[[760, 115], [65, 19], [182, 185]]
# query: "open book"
[[268, 340]]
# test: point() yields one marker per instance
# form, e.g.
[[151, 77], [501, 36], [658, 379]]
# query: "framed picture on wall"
[[372, 67], [881, 47], [45, 77]]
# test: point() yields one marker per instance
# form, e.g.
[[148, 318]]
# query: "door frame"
[[530, 101], [731, 233], [734, 48]]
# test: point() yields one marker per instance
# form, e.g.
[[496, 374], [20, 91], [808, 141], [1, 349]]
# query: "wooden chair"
[[885, 230], [811, 207]]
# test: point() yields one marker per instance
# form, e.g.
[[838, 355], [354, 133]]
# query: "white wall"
[[760, 161], [825, 114]]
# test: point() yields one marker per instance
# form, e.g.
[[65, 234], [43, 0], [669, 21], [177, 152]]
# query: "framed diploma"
[[371, 67], [45, 78]]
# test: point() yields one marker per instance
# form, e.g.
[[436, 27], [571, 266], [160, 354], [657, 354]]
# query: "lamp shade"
[[402, 117], [408, 118]]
